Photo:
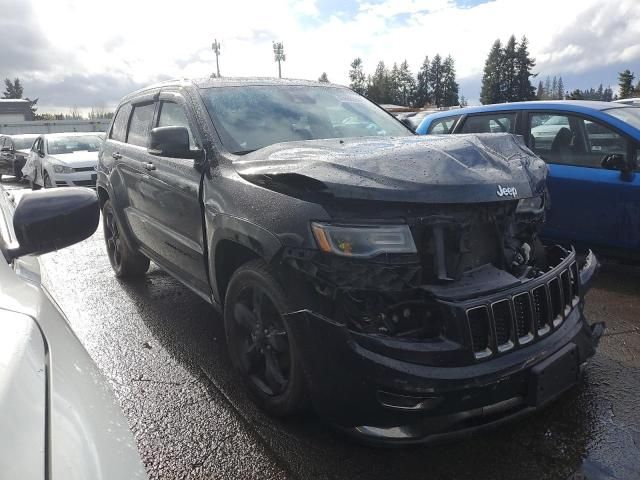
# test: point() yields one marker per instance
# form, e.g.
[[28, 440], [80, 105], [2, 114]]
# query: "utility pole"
[[278, 52], [215, 46]]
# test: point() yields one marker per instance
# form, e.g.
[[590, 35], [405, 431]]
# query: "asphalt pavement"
[[163, 350]]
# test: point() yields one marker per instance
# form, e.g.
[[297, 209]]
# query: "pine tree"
[[625, 83], [491, 91], [436, 81], [422, 95], [394, 85], [607, 95], [378, 88], [575, 95], [13, 90], [524, 66], [554, 88], [600, 92], [560, 89], [540, 92], [357, 78], [324, 78], [548, 93], [407, 84], [509, 85], [450, 86], [463, 101]]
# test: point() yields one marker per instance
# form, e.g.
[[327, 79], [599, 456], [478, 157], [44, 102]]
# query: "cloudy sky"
[[88, 53]]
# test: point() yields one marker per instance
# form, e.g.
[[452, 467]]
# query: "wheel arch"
[[233, 243]]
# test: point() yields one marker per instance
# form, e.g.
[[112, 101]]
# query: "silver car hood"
[[87, 435]]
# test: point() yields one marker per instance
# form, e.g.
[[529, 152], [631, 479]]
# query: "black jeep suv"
[[396, 282]]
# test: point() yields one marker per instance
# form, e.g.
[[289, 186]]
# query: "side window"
[[573, 140], [490, 123], [119, 129], [140, 124], [604, 141], [442, 125], [173, 115], [2, 140]]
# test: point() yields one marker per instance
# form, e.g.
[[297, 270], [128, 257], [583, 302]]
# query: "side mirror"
[[48, 220], [170, 142], [616, 161]]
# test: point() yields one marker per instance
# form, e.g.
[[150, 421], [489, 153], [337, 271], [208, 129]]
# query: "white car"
[[64, 160], [58, 417]]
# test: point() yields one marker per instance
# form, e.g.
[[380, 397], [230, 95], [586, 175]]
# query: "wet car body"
[[58, 416], [396, 347]]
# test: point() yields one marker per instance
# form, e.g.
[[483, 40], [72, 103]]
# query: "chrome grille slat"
[[541, 310], [556, 297], [480, 331], [524, 317], [503, 324]]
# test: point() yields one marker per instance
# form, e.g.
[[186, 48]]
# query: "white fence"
[[54, 126]]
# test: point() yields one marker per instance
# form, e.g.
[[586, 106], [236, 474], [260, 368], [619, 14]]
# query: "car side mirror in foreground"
[[49, 220], [170, 142]]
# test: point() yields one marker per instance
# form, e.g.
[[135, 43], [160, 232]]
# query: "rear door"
[[494, 122], [172, 211], [590, 205]]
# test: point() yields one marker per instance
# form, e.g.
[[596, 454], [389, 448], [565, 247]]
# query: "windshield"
[[630, 115], [61, 145], [248, 118]]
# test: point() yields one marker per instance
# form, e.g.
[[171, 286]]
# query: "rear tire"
[[260, 345], [125, 262]]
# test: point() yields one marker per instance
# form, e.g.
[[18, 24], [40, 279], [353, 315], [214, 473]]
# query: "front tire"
[[260, 345], [125, 262], [46, 180]]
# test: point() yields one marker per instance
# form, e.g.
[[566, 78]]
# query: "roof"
[[15, 105], [23, 135], [208, 82], [578, 106]]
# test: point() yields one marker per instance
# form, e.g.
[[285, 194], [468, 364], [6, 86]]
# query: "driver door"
[[590, 205]]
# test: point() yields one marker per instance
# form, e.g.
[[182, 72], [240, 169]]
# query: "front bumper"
[[76, 179], [391, 400]]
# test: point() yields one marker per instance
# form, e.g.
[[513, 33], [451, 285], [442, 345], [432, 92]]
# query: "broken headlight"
[[363, 241], [530, 205]]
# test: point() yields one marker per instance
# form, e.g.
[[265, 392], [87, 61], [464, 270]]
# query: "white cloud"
[[141, 41]]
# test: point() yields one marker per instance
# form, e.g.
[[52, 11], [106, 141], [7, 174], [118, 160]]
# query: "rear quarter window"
[[140, 124], [443, 125], [119, 129]]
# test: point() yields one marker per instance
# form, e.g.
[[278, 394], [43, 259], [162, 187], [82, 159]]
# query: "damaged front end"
[[440, 339], [429, 301]]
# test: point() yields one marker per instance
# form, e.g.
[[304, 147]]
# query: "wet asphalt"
[[162, 349]]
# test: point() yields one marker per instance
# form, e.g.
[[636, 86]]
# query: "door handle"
[[149, 166], [116, 155]]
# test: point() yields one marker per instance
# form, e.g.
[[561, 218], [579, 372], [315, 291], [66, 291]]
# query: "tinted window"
[[140, 125], [251, 117], [173, 115], [119, 130], [491, 123], [573, 140], [443, 125]]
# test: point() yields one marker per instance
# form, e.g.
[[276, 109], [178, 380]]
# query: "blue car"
[[592, 149]]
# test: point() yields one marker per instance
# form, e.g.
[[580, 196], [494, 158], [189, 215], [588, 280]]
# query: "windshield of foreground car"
[[61, 145], [630, 115], [248, 118], [23, 143]]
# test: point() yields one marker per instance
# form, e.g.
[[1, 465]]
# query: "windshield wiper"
[[244, 152]]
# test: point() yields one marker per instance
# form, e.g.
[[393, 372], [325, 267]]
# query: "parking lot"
[[162, 348]]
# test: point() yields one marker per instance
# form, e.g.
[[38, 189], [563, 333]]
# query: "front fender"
[[222, 227]]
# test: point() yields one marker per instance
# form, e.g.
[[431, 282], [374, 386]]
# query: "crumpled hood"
[[83, 157], [430, 169]]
